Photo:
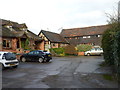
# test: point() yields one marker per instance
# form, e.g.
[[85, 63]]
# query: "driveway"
[[62, 72]]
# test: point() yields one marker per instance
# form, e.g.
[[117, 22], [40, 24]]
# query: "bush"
[[58, 51], [111, 47], [70, 50], [107, 45], [117, 52], [83, 47]]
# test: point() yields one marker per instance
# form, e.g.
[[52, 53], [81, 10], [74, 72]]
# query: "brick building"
[[87, 35], [52, 40], [16, 37]]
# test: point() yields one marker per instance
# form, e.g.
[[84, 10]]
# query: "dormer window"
[[24, 29], [8, 26]]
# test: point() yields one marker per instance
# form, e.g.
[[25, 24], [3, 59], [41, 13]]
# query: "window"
[[98, 36], [31, 52], [7, 43], [76, 37], [10, 56], [41, 52], [86, 36], [54, 44], [4, 43], [9, 26], [24, 29], [36, 52]]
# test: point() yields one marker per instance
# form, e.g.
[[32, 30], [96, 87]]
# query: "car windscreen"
[[10, 56]]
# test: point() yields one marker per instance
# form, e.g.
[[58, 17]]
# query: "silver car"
[[94, 51]]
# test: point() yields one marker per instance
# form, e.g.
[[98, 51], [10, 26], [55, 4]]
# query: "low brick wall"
[[18, 56], [80, 53]]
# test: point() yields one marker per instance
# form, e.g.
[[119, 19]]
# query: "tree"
[[111, 43]]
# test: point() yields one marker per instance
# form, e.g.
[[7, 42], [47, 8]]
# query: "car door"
[[29, 56], [36, 55], [93, 51]]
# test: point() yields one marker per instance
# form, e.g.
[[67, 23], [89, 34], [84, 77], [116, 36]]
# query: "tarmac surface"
[[62, 72]]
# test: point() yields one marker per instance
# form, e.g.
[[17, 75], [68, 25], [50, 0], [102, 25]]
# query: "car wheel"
[[47, 60], [88, 54], [41, 60], [101, 54], [15, 66], [23, 59]]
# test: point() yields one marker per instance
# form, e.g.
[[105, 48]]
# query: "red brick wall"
[[41, 46], [14, 43]]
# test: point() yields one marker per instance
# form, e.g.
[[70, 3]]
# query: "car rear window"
[[10, 56]]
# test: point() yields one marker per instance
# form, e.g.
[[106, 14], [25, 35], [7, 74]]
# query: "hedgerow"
[[111, 46]]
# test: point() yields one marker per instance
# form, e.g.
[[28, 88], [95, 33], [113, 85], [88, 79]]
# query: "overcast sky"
[[53, 15]]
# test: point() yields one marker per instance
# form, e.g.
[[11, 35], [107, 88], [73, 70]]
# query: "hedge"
[[111, 46], [107, 45], [57, 51], [117, 51]]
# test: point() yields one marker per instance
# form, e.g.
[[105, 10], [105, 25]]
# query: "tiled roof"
[[16, 32], [14, 24], [93, 30], [53, 37]]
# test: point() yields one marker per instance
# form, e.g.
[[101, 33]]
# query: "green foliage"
[[108, 77], [58, 51], [22, 44], [70, 50], [25, 44], [111, 46], [107, 43], [83, 47], [117, 51]]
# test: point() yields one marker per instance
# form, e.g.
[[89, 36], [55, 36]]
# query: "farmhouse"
[[16, 37], [86, 35], [52, 40]]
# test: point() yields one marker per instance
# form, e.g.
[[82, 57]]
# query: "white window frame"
[[86, 36]]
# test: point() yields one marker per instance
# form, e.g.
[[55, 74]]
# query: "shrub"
[[111, 47], [107, 42], [117, 52], [57, 51], [70, 50], [83, 47], [25, 44]]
